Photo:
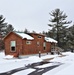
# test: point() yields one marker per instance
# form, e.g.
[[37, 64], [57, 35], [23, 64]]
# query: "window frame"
[[44, 45], [28, 42], [39, 37], [13, 46], [38, 43]]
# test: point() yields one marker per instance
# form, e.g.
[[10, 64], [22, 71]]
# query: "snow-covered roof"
[[48, 39], [23, 35]]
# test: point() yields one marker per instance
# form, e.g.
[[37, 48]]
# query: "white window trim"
[[14, 46], [44, 45], [39, 37], [28, 42], [38, 43]]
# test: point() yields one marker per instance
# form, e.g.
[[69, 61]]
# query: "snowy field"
[[66, 62]]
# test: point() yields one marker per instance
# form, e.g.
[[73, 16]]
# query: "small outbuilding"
[[24, 44]]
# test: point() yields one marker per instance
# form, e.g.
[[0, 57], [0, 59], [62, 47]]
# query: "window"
[[13, 45], [28, 42], [38, 43], [44, 45], [39, 36]]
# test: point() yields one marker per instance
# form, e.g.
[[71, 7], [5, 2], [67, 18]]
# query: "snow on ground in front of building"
[[25, 72], [48, 57], [65, 69], [46, 65], [9, 64], [8, 56]]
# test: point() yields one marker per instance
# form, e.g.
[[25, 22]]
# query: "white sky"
[[33, 14]]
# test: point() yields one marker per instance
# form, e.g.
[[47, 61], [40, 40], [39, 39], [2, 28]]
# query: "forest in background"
[[61, 30]]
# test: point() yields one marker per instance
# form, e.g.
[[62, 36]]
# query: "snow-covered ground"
[[8, 63]]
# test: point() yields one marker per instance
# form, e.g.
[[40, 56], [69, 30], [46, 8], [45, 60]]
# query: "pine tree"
[[70, 37], [26, 31], [9, 28], [58, 20], [2, 31], [2, 25]]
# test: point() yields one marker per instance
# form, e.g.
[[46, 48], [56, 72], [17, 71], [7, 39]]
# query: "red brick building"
[[25, 44]]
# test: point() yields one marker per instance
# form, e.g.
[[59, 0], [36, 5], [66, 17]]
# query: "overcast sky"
[[33, 14]]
